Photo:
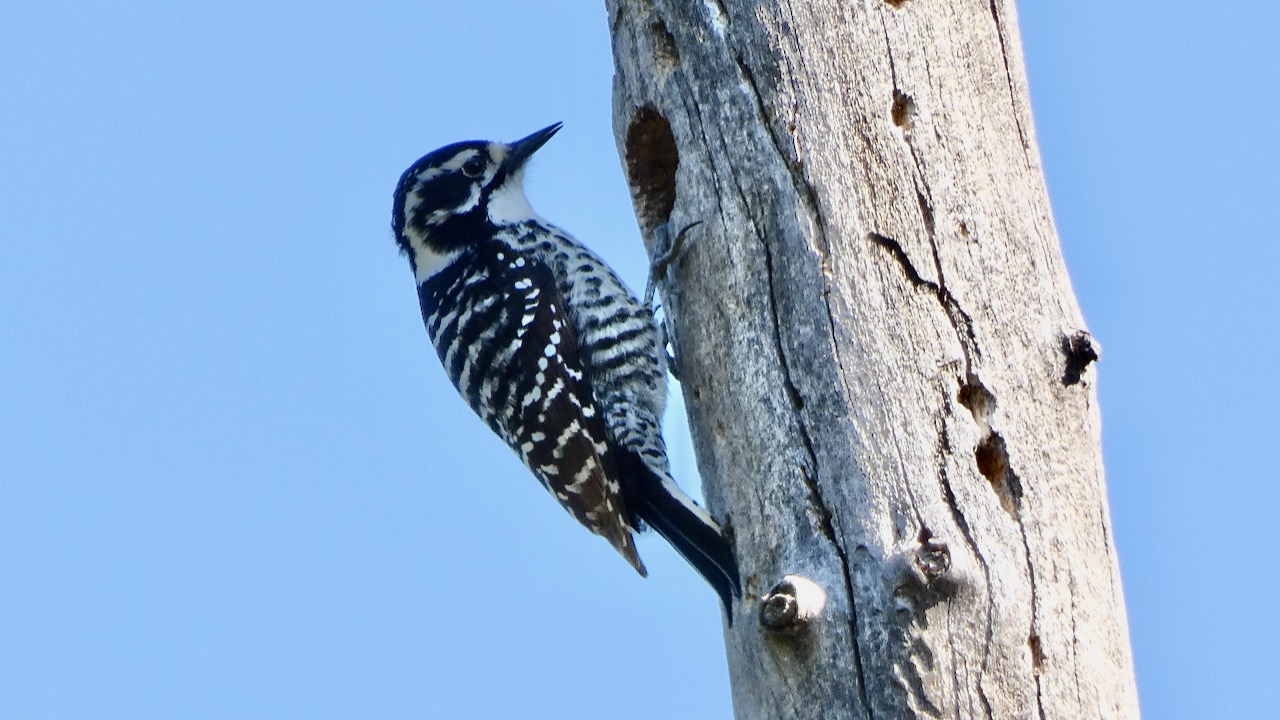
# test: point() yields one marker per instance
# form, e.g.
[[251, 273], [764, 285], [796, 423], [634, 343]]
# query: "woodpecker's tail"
[[659, 503]]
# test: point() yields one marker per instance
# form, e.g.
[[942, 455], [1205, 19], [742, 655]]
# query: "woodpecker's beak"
[[525, 147]]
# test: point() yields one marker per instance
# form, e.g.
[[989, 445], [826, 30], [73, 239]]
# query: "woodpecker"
[[548, 346]]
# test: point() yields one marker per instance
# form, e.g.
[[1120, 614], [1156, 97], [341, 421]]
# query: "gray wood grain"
[[887, 374]]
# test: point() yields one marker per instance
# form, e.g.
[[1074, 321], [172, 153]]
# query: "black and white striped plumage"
[[550, 349]]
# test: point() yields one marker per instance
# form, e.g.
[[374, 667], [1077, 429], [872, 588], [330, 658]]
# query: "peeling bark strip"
[[882, 356]]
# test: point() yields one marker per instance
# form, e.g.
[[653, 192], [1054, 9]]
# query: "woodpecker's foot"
[[666, 251]]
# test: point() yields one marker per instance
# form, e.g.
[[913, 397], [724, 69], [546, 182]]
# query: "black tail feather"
[[703, 546]]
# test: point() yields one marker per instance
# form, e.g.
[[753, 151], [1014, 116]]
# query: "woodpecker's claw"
[[666, 250]]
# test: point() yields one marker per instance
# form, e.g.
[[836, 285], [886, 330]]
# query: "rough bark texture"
[[885, 367]]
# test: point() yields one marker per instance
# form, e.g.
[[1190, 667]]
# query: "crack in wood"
[[982, 695], [944, 449], [826, 519], [1075, 642], [888, 52], [903, 105], [1037, 660], [807, 194], [996, 454], [959, 319], [826, 524], [791, 164], [1035, 604], [968, 340], [1008, 76], [992, 456]]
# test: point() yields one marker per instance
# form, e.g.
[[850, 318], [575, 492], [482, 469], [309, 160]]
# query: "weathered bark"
[[885, 367]]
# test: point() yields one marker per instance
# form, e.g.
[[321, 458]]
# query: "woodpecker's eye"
[[473, 167]]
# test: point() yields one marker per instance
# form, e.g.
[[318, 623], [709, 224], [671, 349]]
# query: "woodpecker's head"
[[458, 195]]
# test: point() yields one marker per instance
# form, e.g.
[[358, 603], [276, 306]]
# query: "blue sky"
[[234, 481]]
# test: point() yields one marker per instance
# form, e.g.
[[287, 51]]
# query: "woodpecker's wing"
[[525, 379]]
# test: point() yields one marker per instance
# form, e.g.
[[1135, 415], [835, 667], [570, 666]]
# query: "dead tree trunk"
[[885, 367]]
